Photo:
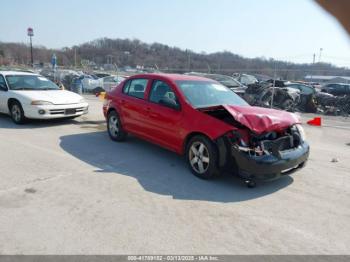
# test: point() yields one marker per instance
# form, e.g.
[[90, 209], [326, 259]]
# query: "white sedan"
[[111, 81], [27, 95]]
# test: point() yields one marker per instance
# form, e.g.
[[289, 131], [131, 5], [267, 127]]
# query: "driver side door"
[[163, 121]]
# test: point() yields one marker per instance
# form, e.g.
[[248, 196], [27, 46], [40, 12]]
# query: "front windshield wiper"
[[22, 88], [48, 88]]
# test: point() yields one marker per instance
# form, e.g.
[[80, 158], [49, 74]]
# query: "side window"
[[126, 87], [162, 92], [306, 90], [340, 89], [135, 87], [343, 89], [2, 83]]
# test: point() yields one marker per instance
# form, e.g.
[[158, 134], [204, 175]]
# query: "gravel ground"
[[66, 188]]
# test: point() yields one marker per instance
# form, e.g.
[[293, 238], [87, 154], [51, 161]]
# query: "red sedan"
[[208, 123]]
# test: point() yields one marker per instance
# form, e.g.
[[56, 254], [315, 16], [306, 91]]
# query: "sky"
[[290, 30]]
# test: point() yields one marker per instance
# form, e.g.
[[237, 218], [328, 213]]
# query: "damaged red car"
[[213, 127]]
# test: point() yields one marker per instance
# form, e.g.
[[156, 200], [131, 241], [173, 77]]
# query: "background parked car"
[[246, 79], [337, 89], [100, 75], [228, 81], [109, 82], [27, 95], [89, 83], [307, 94]]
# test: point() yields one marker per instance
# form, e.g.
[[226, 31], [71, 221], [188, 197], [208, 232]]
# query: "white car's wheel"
[[17, 113]]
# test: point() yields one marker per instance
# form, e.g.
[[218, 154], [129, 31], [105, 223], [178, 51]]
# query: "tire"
[[288, 105], [202, 157], [17, 113], [115, 128]]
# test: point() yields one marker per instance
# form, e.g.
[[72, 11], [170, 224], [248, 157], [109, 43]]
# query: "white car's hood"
[[57, 97]]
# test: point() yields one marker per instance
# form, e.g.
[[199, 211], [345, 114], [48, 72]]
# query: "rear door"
[[164, 121], [133, 106], [3, 95]]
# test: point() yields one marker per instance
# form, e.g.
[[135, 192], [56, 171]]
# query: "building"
[[327, 79]]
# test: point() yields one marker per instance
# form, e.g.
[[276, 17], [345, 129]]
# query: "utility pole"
[[209, 69], [75, 57], [30, 33], [319, 58], [274, 83], [188, 60], [313, 63]]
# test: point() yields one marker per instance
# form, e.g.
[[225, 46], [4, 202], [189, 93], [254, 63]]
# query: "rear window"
[[135, 88]]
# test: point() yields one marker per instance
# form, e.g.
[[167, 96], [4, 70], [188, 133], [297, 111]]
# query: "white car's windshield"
[[30, 82], [205, 94]]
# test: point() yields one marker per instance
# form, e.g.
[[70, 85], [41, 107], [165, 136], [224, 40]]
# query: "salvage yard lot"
[[66, 188]]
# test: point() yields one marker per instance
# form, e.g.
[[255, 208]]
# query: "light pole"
[[319, 58], [274, 83], [30, 33]]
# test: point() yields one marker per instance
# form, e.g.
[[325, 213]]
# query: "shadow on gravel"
[[160, 171]]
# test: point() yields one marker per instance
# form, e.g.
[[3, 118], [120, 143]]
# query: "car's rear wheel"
[[115, 128], [17, 113], [288, 105], [202, 156]]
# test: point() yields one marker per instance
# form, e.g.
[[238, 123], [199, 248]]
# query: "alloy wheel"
[[113, 126], [199, 157]]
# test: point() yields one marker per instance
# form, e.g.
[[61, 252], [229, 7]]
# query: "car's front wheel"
[[115, 128], [201, 155], [17, 113]]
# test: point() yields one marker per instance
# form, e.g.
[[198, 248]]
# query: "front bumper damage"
[[272, 166]]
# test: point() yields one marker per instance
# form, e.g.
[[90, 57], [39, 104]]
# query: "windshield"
[[204, 94], [30, 82]]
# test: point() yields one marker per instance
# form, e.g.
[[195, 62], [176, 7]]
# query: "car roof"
[[173, 77], [5, 73]]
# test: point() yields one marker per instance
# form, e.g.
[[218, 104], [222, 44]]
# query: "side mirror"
[[3, 87], [171, 103]]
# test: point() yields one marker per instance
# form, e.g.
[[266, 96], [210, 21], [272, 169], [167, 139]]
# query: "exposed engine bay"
[[253, 144]]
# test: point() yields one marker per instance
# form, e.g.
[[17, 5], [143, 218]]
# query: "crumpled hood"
[[57, 97], [261, 120]]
